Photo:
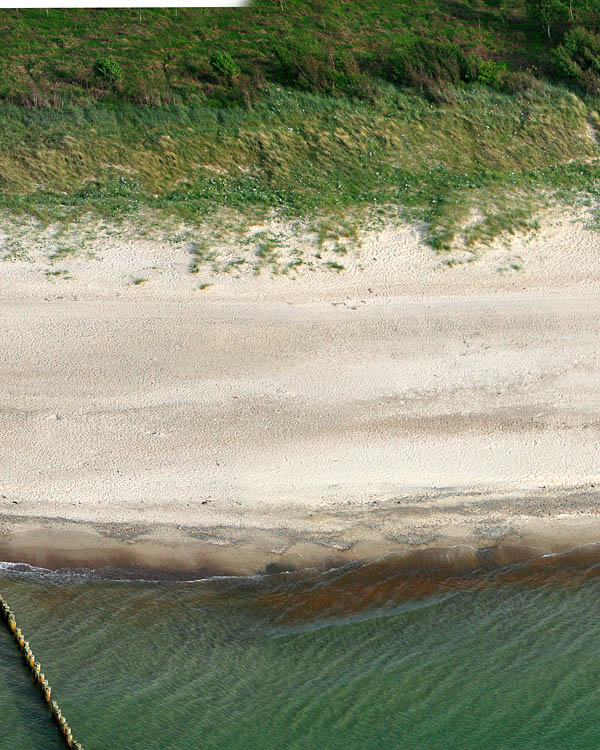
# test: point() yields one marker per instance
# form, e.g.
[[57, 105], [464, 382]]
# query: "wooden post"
[[40, 679]]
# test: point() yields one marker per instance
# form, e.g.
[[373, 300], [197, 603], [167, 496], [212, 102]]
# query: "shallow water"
[[355, 658]]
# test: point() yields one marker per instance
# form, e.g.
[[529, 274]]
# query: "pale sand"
[[276, 419]]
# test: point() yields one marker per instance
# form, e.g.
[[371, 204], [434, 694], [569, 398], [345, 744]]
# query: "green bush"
[[294, 65], [310, 67], [564, 64], [108, 69], [578, 58], [223, 64], [491, 73], [421, 62]]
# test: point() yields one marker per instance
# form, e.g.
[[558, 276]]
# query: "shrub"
[[578, 58], [312, 68], [421, 62], [490, 73], [108, 69], [564, 64], [223, 64], [297, 66]]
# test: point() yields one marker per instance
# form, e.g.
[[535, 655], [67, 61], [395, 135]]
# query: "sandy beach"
[[280, 421]]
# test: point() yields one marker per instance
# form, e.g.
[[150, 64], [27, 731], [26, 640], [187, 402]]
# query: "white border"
[[134, 4]]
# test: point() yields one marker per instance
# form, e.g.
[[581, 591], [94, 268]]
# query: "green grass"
[[163, 56], [58, 273], [501, 156], [306, 108], [62, 253]]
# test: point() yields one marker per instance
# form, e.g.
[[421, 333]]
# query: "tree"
[[548, 13]]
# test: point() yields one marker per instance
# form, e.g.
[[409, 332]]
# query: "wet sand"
[[534, 523]]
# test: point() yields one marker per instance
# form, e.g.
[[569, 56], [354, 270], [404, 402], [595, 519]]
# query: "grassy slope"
[[49, 57], [498, 154]]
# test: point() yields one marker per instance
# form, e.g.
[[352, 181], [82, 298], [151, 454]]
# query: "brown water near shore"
[[319, 584], [358, 588]]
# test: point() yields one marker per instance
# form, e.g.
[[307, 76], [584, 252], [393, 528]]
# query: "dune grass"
[[493, 156]]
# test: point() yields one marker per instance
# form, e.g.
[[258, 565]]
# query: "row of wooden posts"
[[38, 675]]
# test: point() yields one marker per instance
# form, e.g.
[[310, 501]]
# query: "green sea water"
[[310, 661]]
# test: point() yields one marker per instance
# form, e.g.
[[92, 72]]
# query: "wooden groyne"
[[36, 671]]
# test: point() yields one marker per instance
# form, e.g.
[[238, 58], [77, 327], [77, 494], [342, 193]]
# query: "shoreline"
[[547, 522]]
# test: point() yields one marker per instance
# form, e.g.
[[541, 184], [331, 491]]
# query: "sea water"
[[314, 659]]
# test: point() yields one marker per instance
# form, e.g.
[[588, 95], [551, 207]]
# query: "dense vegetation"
[[343, 47], [440, 106]]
